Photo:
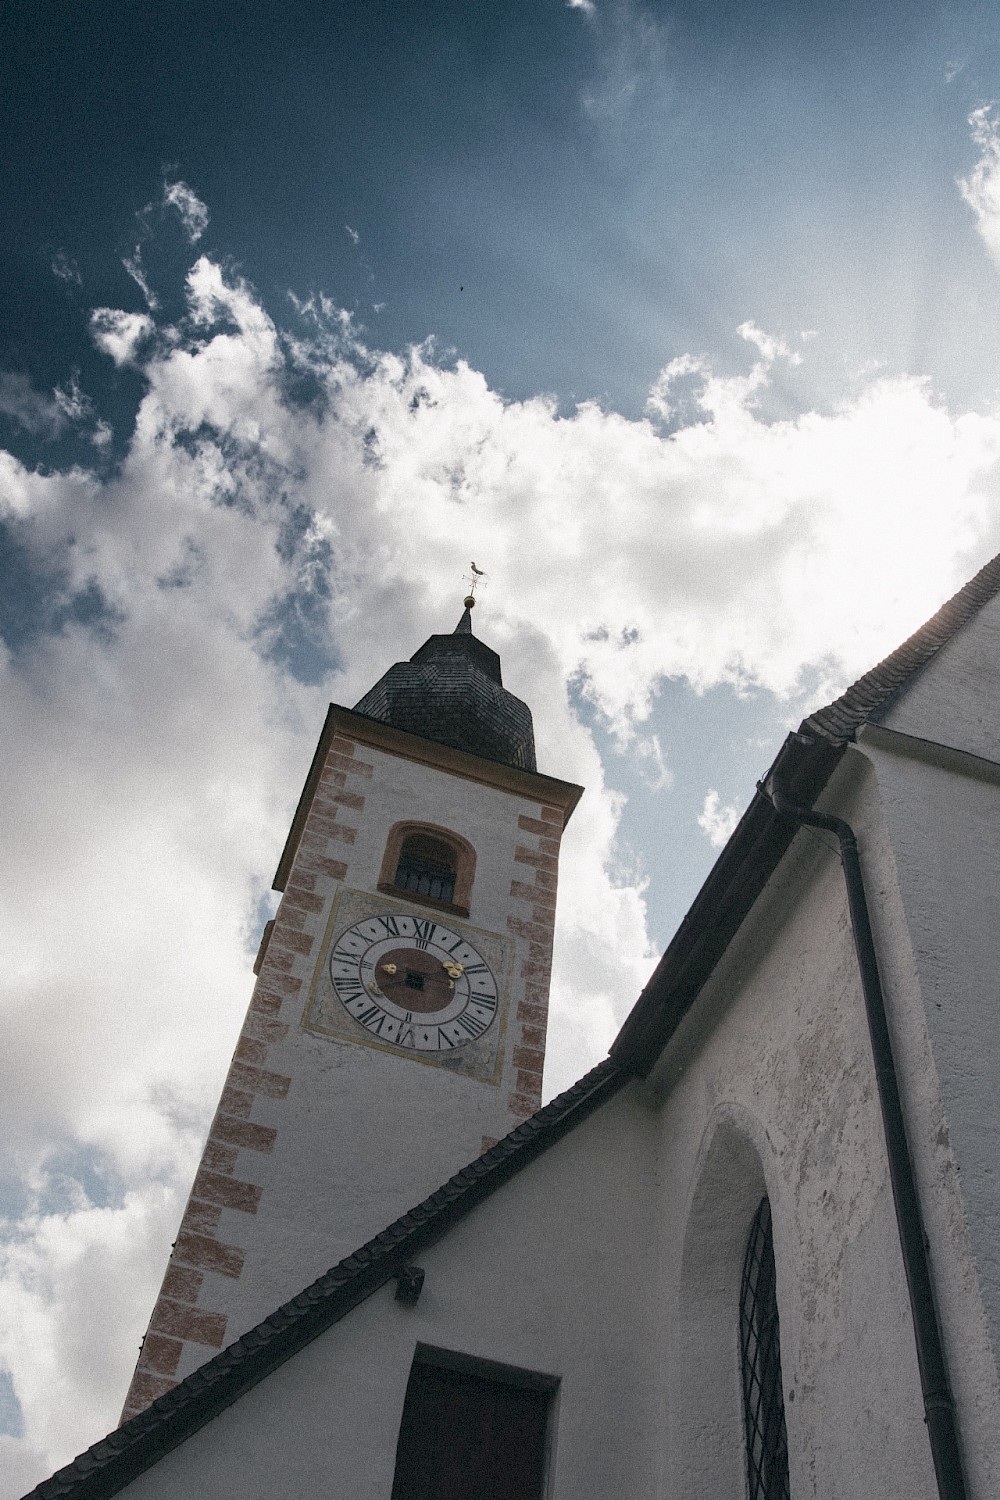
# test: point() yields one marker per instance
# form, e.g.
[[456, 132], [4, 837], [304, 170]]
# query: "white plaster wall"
[[953, 699], [943, 827], [769, 1085], [554, 1274], [774, 1063], [364, 1133]]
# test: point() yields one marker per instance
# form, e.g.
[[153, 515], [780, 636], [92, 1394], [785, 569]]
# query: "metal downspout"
[[939, 1405]]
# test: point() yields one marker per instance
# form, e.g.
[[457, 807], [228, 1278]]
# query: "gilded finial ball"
[[470, 601]]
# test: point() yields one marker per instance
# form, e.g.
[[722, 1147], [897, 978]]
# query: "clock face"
[[413, 982]]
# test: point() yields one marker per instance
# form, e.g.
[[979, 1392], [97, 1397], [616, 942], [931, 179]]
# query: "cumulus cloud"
[[257, 553], [717, 820], [981, 189], [193, 213], [119, 334]]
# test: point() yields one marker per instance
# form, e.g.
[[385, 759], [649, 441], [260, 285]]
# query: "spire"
[[464, 626], [451, 691]]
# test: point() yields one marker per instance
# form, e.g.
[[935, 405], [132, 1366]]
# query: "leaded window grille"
[[760, 1358], [427, 868]]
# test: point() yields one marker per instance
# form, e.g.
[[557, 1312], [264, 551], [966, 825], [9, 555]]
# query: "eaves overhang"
[[802, 768]]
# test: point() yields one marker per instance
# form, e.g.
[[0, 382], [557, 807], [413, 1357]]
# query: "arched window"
[[427, 866], [760, 1361]]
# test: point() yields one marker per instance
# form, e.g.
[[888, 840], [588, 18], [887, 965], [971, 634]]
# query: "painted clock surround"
[[453, 1020]]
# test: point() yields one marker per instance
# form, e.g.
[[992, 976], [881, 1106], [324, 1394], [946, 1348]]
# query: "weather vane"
[[477, 576]]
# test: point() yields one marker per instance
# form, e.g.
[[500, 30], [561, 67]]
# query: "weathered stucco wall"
[[943, 824], [769, 1085], [553, 1274]]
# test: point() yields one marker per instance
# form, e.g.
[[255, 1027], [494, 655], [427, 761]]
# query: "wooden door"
[[464, 1437]]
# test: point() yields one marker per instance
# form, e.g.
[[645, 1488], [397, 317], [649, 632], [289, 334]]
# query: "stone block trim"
[[177, 1320], [203, 1250], [146, 1389], [181, 1319], [187, 1322], [162, 1353], [536, 927]]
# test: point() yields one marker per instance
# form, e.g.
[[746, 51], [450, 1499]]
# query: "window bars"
[[426, 867], [760, 1359]]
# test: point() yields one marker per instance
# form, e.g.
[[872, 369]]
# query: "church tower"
[[397, 1026]]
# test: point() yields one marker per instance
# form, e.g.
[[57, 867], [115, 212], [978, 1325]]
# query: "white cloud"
[[193, 213], [652, 762], [119, 334], [42, 416], [158, 758], [355, 236], [134, 267], [716, 820], [661, 403], [587, 6], [981, 189], [771, 348]]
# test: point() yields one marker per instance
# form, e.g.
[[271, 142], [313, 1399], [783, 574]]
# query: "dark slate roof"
[[803, 766], [873, 693], [106, 1468], [451, 691]]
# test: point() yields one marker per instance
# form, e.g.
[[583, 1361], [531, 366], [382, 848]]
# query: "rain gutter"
[[939, 1404]]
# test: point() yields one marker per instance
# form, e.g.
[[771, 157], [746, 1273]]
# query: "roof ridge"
[[108, 1465], [840, 720]]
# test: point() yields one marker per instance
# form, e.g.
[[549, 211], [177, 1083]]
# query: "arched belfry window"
[[760, 1359], [428, 865]]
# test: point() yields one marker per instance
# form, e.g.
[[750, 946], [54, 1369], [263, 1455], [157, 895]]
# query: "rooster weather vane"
[[477, 576]]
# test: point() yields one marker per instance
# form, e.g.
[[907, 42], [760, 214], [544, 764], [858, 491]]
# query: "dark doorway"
[[466, 1436]]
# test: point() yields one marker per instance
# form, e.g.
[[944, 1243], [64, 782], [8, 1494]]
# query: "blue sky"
[[680, 319], [566, 197]]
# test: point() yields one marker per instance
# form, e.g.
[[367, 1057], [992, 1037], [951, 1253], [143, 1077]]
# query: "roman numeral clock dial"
[[414, 983]]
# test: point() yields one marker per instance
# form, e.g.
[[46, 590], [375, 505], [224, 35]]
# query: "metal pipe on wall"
[[939, 1405]]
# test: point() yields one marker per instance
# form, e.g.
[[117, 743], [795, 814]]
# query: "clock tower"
[[397, 1026]]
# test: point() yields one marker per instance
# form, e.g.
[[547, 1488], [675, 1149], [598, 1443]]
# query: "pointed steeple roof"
[[451, 691]]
